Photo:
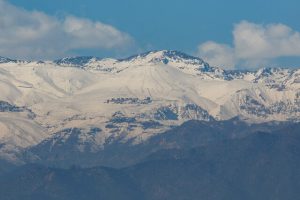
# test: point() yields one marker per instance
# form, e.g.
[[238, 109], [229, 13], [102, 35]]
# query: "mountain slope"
[[262, 166], [68, 148], [38, 182]]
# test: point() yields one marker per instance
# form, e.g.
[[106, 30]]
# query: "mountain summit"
[[165, 56], [188, 64], [6, 60]]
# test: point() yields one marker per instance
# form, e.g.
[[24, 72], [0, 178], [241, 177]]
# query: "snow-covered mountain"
[[188, 64], [99, 101]]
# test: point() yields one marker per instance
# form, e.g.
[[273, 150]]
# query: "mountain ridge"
[[81, 60], [155, 57]]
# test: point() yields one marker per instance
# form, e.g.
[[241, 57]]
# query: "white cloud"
[[253, 45], [35, 35], [217, 54]]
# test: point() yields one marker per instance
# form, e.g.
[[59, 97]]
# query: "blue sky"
[[180, 25]]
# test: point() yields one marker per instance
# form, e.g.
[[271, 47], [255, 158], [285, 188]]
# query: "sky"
[[227, 33]]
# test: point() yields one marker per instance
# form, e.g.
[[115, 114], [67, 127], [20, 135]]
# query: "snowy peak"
[[277, 78], [164, 57], [267, 72], [170, 57], [151, 57], [78, 61], [6, 60], [181, 61]]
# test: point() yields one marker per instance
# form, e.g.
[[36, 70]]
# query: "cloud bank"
[[36, 35], [253, 45]]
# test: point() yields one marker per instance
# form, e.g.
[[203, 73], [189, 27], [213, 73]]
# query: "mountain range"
[[90, 128], [132, 99], [91, 103]]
